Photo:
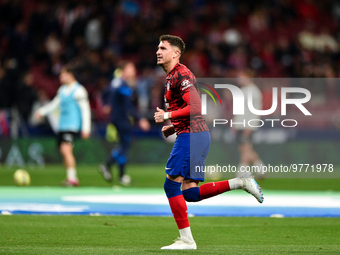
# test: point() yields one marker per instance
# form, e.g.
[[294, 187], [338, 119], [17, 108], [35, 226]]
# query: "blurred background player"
[[119, 104], [192, 144], [244, 132], [75, 117]]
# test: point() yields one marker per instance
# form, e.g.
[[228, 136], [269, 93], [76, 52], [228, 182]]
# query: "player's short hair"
[[247, 72], [70, 69], [174, 41], [124, 63]]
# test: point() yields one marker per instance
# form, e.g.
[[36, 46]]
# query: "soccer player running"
[[244, 133], [75, 117], [192, 143], [120, 106]]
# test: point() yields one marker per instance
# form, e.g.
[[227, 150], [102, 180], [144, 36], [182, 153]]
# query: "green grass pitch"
[[145, 235], [33, 234]]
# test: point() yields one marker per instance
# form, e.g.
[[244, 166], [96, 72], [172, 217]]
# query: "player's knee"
[[172, 188], [121, 159], [192, 194], [65, 149], [115, 154]]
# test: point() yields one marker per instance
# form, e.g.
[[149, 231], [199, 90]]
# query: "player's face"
[[165, 53], [130, 71], [243, 79], [64, 77], [129, 74]]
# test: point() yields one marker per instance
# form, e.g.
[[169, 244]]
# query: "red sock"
[[213, 188], [180, 211]]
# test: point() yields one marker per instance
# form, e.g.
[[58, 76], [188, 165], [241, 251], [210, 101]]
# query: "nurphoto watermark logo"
[[244, 104]]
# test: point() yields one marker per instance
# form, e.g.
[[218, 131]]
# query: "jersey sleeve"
[[184, 84], [105, 95], [190, 96], [127, 93], [51, 106], [81, 97]]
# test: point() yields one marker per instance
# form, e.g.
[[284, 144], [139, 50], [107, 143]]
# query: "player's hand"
[[37, 116], [168, 131], [106, 109], [85, 135], [144, 124], [159, 116], [247, 132]]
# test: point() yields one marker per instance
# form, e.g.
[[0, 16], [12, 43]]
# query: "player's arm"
[[142, 122], [48, 108], [192, 100], [168, 130], [192, 106], [81, 97], [106, 97]]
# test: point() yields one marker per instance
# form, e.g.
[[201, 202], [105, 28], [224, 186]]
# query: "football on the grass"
[[22, 177]]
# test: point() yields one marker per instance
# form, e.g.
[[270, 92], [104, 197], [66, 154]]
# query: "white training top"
[[80, 96]]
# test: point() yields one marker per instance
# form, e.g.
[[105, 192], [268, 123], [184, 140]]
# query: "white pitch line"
[[35, 207], [311, 201]]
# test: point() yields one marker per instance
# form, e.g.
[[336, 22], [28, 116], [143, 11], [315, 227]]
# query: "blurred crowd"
[[275, 38]]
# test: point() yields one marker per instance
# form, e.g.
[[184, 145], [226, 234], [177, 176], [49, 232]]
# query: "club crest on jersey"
[[186, 84]]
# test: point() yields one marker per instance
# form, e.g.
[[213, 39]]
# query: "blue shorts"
[[188, 155]]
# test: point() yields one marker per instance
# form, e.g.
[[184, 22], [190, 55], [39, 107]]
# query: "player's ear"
[[177, 53]]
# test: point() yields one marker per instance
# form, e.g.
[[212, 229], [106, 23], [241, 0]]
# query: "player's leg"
[[244, 139], [112, 157], [244, 156], [66, 150], [172, 187], [192, 193], [105, 169], [248, 156], [115, 153], [255, 160], [199, 148], [118, 156], [125, 141], [179, 157], [200, 144]]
